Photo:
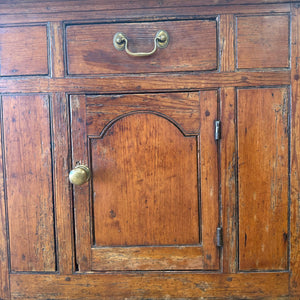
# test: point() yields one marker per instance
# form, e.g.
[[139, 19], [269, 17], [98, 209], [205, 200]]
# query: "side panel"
[[263, 142], [26, 127]]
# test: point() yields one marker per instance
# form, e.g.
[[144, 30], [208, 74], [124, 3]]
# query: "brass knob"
[[80, 175]]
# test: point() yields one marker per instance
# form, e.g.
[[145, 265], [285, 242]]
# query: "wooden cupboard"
[[185, 140]]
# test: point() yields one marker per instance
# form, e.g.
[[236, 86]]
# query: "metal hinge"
[[217, 130], [219, 237]]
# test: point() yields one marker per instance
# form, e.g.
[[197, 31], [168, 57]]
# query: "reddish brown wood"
[[83, 238], [145, 184], [90, 48], [263, 42], [151, 285], [145, 175], [17, 6], [227, 46], [263, 178], [29, 182], [147, 83], [228, 180], [295, 152], [62, 195], [23, 50], [98, 12], [209, 177], [57, 50], [4, 268], [182, 108]]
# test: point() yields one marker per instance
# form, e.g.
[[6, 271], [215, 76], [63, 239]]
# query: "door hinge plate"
[[217, 130], [219, 237]]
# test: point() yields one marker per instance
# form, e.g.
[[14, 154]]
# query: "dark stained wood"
[[227, 45], [19, 7], [140, 14], [151, 285], [263, 178], [145, 184], [57, 50], [62, 195], [145, 83], [228, 180], [262, 42], [29, 182], [4, 268], [295, 159], [23, 50], [192, 46], [83, 238]]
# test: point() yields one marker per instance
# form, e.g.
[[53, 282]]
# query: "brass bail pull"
[[161, 40], [80, 175]]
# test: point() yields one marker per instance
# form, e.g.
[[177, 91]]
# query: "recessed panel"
[[23, 51], [263, 42], [26, 127], [152, 202], [145, 184], [263, 170]]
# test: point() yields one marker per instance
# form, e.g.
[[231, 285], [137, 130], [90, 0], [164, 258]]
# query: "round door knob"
[[80, 175]]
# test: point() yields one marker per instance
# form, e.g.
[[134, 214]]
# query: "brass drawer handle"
[[161, 40], [80, 175]]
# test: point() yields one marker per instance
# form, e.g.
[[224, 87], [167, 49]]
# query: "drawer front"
[[192, 46], [23, 50]]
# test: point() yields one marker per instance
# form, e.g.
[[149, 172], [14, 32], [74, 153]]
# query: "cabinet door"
[[152, 201]]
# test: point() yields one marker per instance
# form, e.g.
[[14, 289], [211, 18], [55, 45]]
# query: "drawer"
[[192, 47], [23, 50]]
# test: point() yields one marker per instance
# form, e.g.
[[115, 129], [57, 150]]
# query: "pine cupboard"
[[149, 149]]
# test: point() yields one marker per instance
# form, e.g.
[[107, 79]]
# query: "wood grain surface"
[[228, 180], [183, 109], [145, 83], [23, 50], [4, 254], [35, 12], [151, 285], [295, 159], [81, 201], [146, 177], [192, 46], [69, 97], [263, 156], [62, 193], [263, 42], [29, 182], [145, 184]]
